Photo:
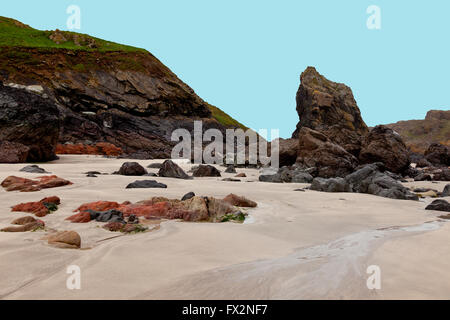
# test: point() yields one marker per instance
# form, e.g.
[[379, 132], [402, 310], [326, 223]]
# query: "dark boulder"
[[33, 169], [446, 191], [188, 196], [230, 169], [141, 184], [330, 185], [317, 150], [438, 154], [206, 171], [442, 175], [132, 169], [383, 144], [439, 205], [170, 169]]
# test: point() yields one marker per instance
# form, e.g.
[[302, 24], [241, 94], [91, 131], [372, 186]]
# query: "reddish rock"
[[13, 183], [100, 148], [82, 217], [38, 208], [98, 206], [12, 152], [241, 175], [239, 201]]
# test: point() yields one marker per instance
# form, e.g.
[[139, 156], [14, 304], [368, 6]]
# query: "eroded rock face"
[[100, 148], [383, 144], [129, 99], [438, 154], [12, 152], [27, 121], [239, 201], [323, 105], [317, 150]]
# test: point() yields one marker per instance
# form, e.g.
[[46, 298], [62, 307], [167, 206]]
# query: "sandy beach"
[[294, 245]]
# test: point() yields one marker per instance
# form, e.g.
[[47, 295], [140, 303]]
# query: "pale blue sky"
[[246, 56]]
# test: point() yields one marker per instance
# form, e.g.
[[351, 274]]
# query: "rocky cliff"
[[105, 92], [420, 134]]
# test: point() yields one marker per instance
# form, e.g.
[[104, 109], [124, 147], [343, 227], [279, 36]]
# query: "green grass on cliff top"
[[16, 34]]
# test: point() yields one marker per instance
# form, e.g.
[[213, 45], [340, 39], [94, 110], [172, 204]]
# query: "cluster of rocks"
[[333, 149], [170, 169], [190, 208]]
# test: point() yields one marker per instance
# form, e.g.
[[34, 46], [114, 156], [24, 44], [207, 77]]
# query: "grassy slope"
[[16, 34]]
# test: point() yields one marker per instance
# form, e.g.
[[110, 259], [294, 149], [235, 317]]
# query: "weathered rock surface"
[[24, 225], [170, 169], [193, 209], [439, 205], [206, 171], [446, 191], [420, 134], [383, 144], [146, 184], [100, 148], [239, 201], [230, 169], [288, 151], [33, 169], [39, 208], [368, 179], [27, 121], [132, 169], [13, 183], [323, 105], [188, 196], [317, 150], [438, 154], [64, 239], [13, 152]]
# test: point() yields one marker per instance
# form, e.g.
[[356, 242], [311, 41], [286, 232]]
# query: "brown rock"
[[100, 148], [65, 239], [13, 183], [323, 105], [438, 154], [239, 201], [317, 150], [30, 226], [23, 220], [241, 175], [383, 144], [288, 151], [12, 152], [40, 208]]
